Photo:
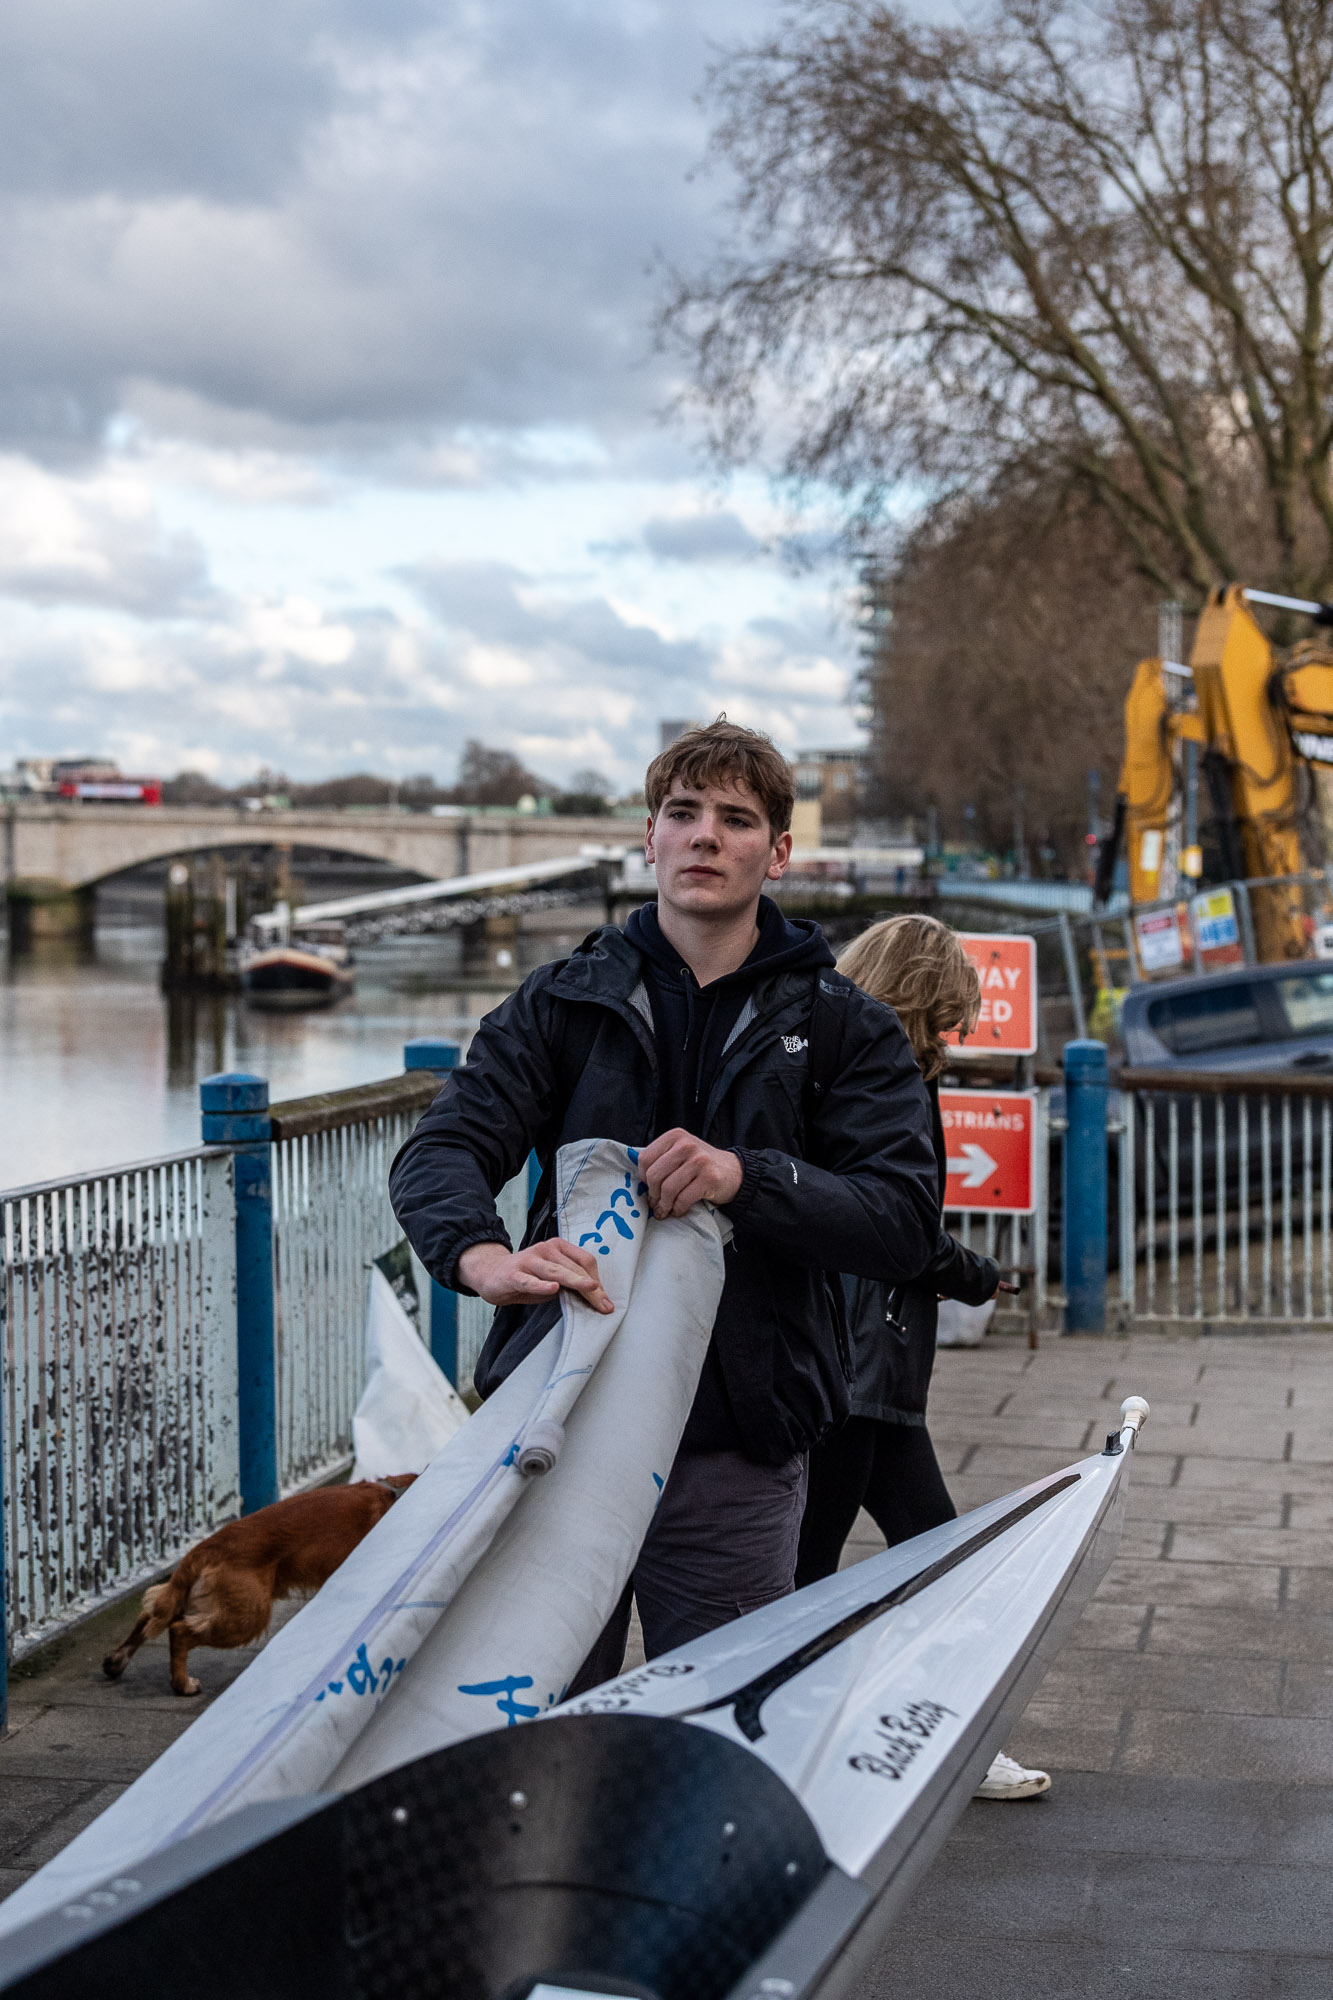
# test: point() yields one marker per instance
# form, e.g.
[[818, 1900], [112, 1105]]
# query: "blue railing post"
[[235, 1114], [427, 1052], [1084, 1204], [4, 1543]]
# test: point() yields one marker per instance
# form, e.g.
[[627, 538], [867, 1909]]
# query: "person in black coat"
[[717, 1037], [882, 1458]]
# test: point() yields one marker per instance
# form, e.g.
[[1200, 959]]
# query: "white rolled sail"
[[527, 1566]]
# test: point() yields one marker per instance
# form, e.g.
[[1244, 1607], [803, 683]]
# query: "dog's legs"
[[180, 1638], [115, 1663], [161, 1603]]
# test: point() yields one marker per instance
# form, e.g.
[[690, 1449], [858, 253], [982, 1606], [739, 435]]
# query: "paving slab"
[[1307, 1688], [1218, 1583], [1239, 1543], [1291, 1750], [1212, 1506], [1173, 1681], [1192, 1628], [1309, 1590]]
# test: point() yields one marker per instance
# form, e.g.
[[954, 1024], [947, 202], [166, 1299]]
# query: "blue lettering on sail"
[[629, 1194], [506, 1689], [362, 1678]]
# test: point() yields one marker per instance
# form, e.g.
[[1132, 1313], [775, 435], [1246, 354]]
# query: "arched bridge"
[[75, 847]]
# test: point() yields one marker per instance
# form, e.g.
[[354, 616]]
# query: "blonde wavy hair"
[[917, 966]]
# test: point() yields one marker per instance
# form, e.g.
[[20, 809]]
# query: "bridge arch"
[[75, 847], [257, 840]]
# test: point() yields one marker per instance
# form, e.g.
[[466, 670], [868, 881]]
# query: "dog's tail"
[[161, 1603]]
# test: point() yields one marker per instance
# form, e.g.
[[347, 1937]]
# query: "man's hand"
[[522, 1277], [681, 1170]]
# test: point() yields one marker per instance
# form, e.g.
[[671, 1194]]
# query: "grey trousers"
[[722, 1542]]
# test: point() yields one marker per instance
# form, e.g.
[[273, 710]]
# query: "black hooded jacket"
[[837, 1175], [891, 1328], [692, 1024]]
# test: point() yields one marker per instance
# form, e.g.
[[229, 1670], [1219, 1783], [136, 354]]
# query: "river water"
[[98, 1068]]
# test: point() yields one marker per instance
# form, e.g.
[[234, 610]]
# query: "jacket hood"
[[785, 944]]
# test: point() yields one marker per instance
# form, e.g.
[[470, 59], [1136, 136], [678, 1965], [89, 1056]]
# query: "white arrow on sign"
[[975, 1166]]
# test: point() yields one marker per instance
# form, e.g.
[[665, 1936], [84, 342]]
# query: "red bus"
[[118, 790]]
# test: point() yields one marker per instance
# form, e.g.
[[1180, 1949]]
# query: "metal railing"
[[118, 1384], [123, 1411], [331, 1219], [1075, 898], [1225, 1198]]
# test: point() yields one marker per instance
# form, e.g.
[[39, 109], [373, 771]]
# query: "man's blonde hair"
[[917, 966]]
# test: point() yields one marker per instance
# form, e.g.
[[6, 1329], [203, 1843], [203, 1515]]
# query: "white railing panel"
[[331, 1219], [117, 1381], [1234, 1189]]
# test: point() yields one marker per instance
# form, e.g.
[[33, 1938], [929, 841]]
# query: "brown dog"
[[222, 1593]]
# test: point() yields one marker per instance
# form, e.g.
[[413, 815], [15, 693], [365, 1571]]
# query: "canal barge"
[[312, 969]]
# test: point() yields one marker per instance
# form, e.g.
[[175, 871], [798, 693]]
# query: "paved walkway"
[[1186, 1846]]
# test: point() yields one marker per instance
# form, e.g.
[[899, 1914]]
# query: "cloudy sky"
[[330, 425]]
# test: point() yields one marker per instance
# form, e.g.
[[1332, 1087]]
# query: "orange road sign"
[[1007, 968], [990, 1139]]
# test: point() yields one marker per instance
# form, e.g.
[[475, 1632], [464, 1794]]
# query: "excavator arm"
[[1158, 721], [1265, 733]]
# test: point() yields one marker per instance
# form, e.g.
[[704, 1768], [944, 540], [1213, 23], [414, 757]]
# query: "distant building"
[[828, 792], [669, 732], [44, 776]]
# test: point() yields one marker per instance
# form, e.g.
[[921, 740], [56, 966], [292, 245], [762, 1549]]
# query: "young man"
[[690, 1034]]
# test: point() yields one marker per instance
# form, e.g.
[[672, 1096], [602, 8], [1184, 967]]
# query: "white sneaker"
[[1008, 1780]]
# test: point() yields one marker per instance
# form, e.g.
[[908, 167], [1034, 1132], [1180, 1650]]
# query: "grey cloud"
[[566, 683], [445, 223], [144, 100], [161, 582], [700, 538], [207, 697], [483, 598], [105, 558]]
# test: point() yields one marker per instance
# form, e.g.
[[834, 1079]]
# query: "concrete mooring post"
[[235, 1114], [198, 927], [41, 911], [428, 1052], [1085, 1187]]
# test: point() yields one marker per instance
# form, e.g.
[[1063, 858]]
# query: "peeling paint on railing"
[[118, 1384]]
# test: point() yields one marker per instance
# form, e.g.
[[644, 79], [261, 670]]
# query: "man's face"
[[714, 849]]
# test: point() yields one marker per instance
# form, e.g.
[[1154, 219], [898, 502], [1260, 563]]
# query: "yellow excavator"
[[1253, 730]]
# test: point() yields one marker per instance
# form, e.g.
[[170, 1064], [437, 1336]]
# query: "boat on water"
[[310, 968], [738, 1820]]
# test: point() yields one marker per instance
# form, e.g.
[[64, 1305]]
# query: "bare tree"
[[489, 777], [1091, 240], [1002, 672]]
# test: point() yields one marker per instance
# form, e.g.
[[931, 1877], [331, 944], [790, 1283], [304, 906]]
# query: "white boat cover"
[[409, 1408], [529, 1567]]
